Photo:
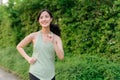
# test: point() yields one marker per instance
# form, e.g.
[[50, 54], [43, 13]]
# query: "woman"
[[46, 43]]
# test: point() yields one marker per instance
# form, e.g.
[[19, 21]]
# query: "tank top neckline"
[[40, 36], [41, 32]]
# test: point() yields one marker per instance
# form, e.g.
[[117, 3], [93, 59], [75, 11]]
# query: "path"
[[7, 76]]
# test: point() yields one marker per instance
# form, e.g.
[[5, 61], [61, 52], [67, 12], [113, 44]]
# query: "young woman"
[[46, 43]]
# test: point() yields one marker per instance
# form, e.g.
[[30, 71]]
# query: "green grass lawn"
[[80, 67]]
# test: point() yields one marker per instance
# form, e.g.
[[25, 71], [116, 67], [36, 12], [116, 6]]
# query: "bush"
[[12, 61], [89, 28], [87, 67]]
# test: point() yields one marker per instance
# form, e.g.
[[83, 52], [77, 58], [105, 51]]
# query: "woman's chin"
[[45, 26]]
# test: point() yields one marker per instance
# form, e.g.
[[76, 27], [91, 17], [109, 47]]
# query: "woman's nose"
[[44, 18]]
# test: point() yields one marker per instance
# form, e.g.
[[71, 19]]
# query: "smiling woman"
[[47, 43]]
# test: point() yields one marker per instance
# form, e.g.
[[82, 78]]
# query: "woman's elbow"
[[18, 47], [61, 57]]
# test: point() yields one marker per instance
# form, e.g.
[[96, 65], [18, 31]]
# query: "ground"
[[4, 75]]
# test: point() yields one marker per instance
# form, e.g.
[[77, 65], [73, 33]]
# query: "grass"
[[80, 67], [12, 61], [87, 67]]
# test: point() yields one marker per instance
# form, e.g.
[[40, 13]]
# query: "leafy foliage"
[[92, 27], [90, 33], [87, 67], [86, 25]]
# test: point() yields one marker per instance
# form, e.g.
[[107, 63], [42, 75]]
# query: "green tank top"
[[43, 68]]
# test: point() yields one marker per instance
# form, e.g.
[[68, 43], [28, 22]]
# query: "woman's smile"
[[45, 19]]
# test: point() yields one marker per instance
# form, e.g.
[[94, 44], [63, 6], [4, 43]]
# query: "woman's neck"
[[45, 31]]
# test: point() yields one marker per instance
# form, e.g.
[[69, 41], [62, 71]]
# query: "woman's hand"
[[57, 43], [32, 60], [50, 38]]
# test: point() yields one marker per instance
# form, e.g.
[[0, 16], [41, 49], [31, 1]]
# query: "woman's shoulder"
[[33, 34], [56, 36]]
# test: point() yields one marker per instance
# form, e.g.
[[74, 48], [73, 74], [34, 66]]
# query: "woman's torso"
[[44, 53]]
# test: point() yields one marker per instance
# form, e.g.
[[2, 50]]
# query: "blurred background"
[[3, 1], [90, 34]]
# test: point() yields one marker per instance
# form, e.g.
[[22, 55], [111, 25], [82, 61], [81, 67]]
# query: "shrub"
[[87, 67]]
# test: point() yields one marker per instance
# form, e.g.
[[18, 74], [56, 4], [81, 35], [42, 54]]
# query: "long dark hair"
[[53, 27]]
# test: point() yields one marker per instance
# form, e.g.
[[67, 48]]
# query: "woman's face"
[[45, 19]]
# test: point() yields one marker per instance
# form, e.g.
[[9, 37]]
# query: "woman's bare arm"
[[22, 44], [58, 47]]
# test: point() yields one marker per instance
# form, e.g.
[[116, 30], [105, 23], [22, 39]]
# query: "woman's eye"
[[47, 16], [41, 17]]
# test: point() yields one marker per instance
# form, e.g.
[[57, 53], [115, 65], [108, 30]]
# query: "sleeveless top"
[[43, 68]]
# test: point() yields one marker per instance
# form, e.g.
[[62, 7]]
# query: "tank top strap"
[[39, 38]]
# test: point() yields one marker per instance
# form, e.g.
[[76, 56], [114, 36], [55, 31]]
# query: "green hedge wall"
[[90, 34], [87, 25]]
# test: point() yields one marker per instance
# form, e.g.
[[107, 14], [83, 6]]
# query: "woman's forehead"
[[45, 13]]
